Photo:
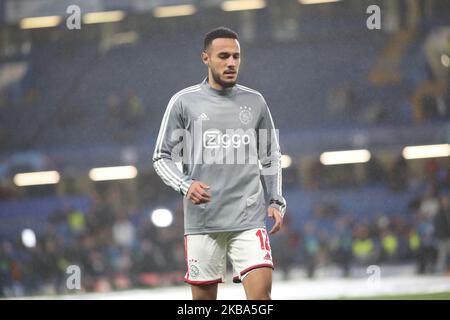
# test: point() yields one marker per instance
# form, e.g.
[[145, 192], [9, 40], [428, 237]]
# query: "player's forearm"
[[171, 175], [272, 176]]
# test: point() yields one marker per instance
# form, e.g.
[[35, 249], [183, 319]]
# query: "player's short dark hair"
[[220, 32]]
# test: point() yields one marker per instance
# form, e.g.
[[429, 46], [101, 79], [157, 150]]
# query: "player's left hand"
[[276, 215]]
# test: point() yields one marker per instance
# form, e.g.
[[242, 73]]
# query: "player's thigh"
[[204, 291], [258, 284]]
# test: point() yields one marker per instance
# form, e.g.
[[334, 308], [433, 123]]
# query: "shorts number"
[[263, 239]]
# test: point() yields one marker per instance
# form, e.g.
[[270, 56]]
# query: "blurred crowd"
[[330, 236], [397, 175], [117, 246], [346, 240]]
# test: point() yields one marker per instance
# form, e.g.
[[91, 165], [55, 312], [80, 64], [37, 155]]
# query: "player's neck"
[[214, 84]]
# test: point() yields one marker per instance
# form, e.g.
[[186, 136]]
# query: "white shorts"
[[206, 255]]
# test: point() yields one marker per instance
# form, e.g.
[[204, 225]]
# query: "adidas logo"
[[203, 116], [268, 257]]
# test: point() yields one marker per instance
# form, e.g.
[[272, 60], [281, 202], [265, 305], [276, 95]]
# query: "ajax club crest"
[[245, 115]]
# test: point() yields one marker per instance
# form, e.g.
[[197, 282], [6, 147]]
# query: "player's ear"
[[205, 57]]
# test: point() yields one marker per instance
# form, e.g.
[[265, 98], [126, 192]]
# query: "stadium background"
[[75, 100]]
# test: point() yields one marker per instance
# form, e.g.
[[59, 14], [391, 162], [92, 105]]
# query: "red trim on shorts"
[[236, 279], [203, 282], [256, 267], [186, 256]]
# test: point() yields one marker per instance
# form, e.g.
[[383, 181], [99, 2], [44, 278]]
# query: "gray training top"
[[226, 139]]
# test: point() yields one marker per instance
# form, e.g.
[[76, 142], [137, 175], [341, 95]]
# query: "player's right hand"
[[197, 193]]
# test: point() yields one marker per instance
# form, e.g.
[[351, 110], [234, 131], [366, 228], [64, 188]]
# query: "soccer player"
[[231, 170]]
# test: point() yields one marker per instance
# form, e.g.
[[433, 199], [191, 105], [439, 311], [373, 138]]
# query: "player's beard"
[[218, 80]]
